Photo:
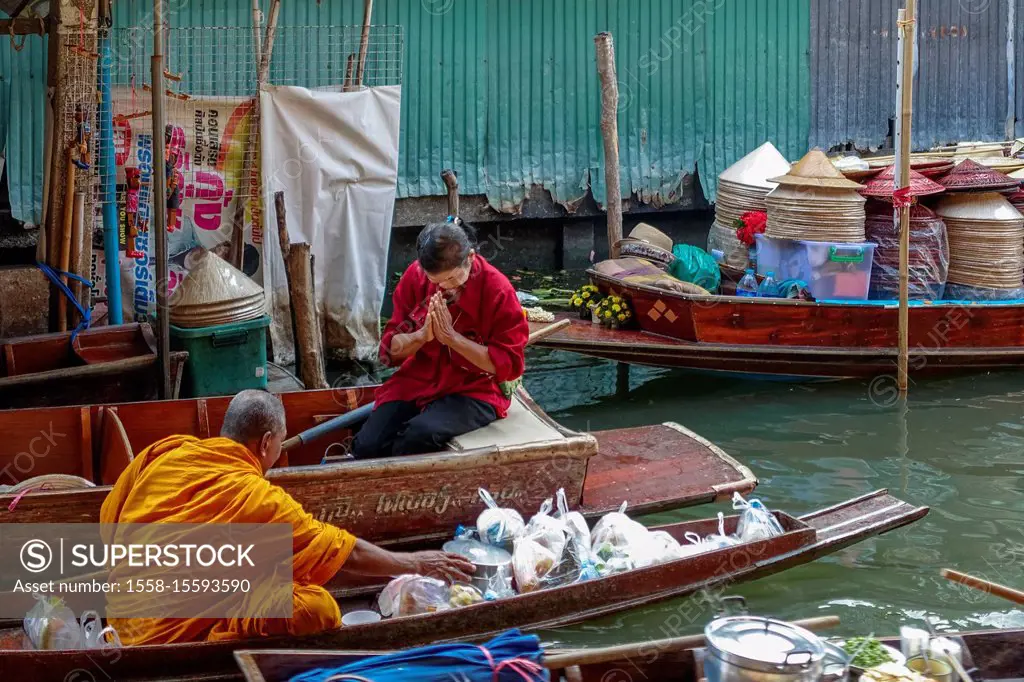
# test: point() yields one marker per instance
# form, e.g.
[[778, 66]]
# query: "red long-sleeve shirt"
[[486, 312]]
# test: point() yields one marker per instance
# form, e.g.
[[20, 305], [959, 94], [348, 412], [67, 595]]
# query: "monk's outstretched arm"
[[370, 560]]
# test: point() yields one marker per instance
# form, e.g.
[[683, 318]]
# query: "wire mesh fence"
[[211, 134]]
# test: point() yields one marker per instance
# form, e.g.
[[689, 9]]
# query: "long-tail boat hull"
[[805, 539], [995, 654], [521, 460], [105, 364], [789, 339]]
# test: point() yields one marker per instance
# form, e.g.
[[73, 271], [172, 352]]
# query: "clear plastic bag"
[[622, 543], [574, 522], [410, 595], [756, 522], [548, 531], [463, 595], [721, 539], [735, 253], [498, 525], [666, 547], [531, 564], [928, 257], [50, 624]]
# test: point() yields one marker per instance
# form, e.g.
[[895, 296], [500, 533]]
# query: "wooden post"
[[81, 249], [364, 41], [159, 203], [67, 227], [346, 85], [610, 132], [298, 262], [451, 180], [905, 111]]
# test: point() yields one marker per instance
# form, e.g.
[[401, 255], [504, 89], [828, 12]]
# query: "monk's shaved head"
[[252, 414]]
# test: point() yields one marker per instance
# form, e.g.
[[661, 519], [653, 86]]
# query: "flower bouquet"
[[751, 223], [614, 312], [584, 300]]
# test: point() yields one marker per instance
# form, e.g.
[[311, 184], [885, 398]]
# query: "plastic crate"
[[832, 270], [224, 359]]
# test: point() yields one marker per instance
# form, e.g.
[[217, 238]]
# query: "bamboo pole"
[[301, 294], [905, 110], [610, 133], [364, 41], [80, 243], [67, 226], [257, 33], [159, 202]]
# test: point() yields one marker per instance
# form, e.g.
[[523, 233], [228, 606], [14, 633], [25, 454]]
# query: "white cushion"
[[520, 426]]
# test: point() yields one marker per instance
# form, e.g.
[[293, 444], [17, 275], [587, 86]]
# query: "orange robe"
[[182, 479]]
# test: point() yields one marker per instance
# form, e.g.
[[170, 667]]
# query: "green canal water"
[[957, 447]]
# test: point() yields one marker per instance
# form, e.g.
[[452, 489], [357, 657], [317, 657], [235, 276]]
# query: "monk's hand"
[[444, 329], [443, 565]]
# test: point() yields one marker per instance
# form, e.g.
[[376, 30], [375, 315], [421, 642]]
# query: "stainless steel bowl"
[[490, 563]]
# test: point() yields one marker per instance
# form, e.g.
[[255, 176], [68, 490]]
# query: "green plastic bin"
[[223, 359]]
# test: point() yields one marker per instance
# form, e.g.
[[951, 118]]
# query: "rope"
[[18, 47], [902, 198], [54, 276], [14, 503]]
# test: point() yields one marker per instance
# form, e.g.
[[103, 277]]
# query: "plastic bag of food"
[[548, 531], [410, 595], [499, 586], [463, 595], [531, 564], [666, 547], [498, 525], [622, 543], [756, 522], [720, 539], [50, 624], [574, 521]]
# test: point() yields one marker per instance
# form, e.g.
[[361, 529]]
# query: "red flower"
[[751, 223]]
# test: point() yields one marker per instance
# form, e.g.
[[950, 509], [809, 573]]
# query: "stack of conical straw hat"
[[815, 201], [986, 240], [742, 187], [214, 293], [1017, 198]]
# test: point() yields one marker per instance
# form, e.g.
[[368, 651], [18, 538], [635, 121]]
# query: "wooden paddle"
[[360, 414], [663, 646], [1008, 593]]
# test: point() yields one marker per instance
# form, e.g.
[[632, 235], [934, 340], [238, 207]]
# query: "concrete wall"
[[24, 301]]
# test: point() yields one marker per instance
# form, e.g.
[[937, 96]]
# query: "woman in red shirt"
[[457, 334]]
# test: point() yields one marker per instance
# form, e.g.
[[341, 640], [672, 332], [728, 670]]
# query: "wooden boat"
[[787, 339], [105, 364], [805, 538], [994, 654], [521, 460]]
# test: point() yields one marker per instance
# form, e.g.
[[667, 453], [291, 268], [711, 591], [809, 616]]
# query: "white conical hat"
[[755, 168], [985, 206], [213, 281]]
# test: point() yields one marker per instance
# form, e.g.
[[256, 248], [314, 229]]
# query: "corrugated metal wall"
[[962, 86], [22, 120], [506, 91]]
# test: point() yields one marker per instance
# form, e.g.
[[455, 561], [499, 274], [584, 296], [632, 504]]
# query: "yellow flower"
[[622, 318], [607, 313], [617, 308], [586, 294], [577, 301]]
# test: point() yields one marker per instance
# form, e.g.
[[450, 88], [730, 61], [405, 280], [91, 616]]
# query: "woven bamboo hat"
[[647, 242], [986, 240], [815, 170], [881, 186], [215, 292], [754, 169], [971, 176]]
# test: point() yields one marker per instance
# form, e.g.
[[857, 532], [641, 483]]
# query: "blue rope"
[[54, 276]]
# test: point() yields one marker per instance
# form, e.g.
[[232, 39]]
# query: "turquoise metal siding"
[[506, 91], [22, 122]]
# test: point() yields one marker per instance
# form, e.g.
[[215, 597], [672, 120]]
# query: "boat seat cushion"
[[520, 426]]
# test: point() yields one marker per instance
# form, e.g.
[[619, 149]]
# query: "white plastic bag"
[[409, 595], [721, 539], [666, 547], [622, 543], [497, 525], [531, 564], [50, 624], [95, 636], [574, 522], [548, 531], [756, 522]]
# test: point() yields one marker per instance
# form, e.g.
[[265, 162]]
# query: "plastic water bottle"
[[747, 285], [768, 288]]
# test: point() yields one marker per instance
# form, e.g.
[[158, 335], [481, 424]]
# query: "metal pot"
[[490, 561], [837, 664], [754, 649]]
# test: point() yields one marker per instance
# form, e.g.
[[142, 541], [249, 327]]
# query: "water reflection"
[[957, 446]]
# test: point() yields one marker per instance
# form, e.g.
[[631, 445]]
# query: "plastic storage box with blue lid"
[[832, 270]]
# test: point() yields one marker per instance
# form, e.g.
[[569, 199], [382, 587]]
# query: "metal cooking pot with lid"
[[754, 649]]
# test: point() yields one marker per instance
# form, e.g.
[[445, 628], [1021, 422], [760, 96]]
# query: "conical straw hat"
[[882, 185], [970, 175], [754, 169], [815, 170], [213, 282], [986, 206]]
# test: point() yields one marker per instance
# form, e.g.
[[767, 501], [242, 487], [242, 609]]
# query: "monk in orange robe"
[[182, 479]]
